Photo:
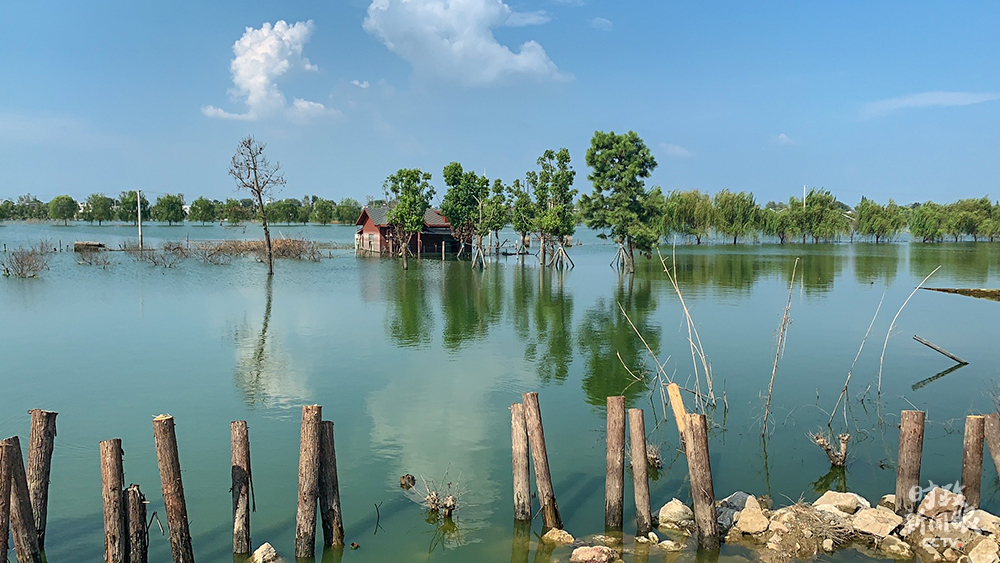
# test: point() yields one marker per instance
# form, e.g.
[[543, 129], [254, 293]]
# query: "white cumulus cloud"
[[262, 57], [926, 100], [675, 151], [452, 40], [602, 24], [360, 84], [783, 139]]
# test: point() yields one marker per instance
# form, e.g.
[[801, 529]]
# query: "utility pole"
[[803, 196], [138, 212]]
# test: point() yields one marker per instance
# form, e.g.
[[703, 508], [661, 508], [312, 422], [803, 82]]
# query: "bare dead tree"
[[254, 173]]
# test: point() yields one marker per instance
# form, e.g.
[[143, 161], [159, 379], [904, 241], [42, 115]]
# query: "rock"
[[653, 538], [642, 539], [557, 536], [832, 511], [607, 540], [845, 502], [751, 519], [265, 554], [593, 554], [941, 503], [888, 501], [828, 545], [675, 514], [670, 545], [896, 548], [726, 510], [777, 526], [985, 552], [876, 522], [982, 521], [950, 555]]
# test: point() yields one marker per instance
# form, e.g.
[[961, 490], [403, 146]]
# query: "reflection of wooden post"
[[702, 489], [992, 433], [40, 444], [305, 519], [972, 460], [112, 480], [543, 479], [329, 489], [169, 462], [519, 461], [240, 443], [637, 434], [135, 522], [520, 544], [6, 465], [22, 523], [614, 480], [911, 446]]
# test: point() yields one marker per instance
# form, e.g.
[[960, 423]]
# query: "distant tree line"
[[171, 208]]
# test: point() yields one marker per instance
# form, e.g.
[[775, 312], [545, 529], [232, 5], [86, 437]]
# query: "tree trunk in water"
[[631, 256], [614, 479], [112, 481], [240, 443], [541, 244], [165, 438], [267, 236], [309, 460], [6, 466], [40, 445]]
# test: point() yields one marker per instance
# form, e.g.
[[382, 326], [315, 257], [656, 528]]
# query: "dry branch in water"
[[888, 333], [837, 457], [26, 262], [781, 346]]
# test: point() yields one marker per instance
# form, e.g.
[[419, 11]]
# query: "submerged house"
[[375, 234]]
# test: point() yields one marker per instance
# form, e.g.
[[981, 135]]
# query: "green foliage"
[[463, 202], [411, 193], [688, 213], [63, 208], [522, 212], [779, 222], [322, 211], [169, 208], [203, 210], [127, 207], [98, 207], [620, 203], [927, 222], [234, 212], [6, 209], [878, 221], [283, 211], [736, 215], [496, 211], [554, 216], [348, 210]]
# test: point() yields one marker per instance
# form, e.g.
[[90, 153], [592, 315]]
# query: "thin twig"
[[847, 382], [777, 353], [888, 333]]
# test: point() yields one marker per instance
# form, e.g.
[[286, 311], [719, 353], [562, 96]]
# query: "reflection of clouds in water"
[[437, 418]]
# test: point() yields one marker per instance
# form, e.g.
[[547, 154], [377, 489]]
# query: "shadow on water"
[[834, 480], [254, 369], [935, 377]]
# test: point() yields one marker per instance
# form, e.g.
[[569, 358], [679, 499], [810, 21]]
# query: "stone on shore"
[[557, 536], [670, 545], [675, 515], [265, 554], [844, 502], [985, 552], [593, 554], [888, 501], [876, 522], [751, 519], [982, 521], [941, 503], [726, 510], [896, 548]]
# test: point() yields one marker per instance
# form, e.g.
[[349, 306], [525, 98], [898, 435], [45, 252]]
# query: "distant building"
[[375, 234]]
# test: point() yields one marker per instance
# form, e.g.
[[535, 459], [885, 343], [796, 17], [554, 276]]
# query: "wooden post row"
[[112, 481], [309, 462], [173, 488], [972, 460], [329, 488], [702, 488], [40, 445], [911, 446], [543, 478], [22, 522], [6, 468], [520, 465], [240, 441], [135, 523], [637, 434], [614, 480]]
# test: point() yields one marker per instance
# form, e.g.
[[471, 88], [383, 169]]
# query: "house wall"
[[371, 237]]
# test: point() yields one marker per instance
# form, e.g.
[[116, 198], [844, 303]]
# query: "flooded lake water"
[[417, 369]]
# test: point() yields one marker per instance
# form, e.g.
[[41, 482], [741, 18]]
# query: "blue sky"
[[890, 100]]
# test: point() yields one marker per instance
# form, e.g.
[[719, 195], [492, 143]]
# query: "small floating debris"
[[88, 246]]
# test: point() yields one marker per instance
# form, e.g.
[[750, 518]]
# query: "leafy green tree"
[[322, 211], [63, 208], [169, 208], [878, 221], [203, 210], [522, 211], [234, 212], [736, 215], [496, 214], [463, 203], [928, 222], [98, 207], [688, 213], [348, 210], [779, 223], [554, 194], [127, 207], [620, 203], [411, 193], [283, 211], [6, 209], [822, 217]]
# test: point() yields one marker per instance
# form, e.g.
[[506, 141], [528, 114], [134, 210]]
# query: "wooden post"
[[992, 433], [6, 467], [22, 522], [40, 444], [305, 518], [702, 489], [112, 481], [543, 479], [173, 488], [972, 460], [911, 446], [240, 442], [329, 488], [614, 478], [640, 478], [519, 461], [135, 523], [677, 406]]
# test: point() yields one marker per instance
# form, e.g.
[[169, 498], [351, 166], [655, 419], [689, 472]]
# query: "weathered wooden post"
[[519, 461], [135, 523], [40, 445], [911, 446], [173, 488], [614, 479], [677, 407], [22, 522], [6, 467], [972, 459], [640, 477], [305, 518], [240, 443], [329, 488], [543, 478], [702, 488], [992, 434], [112, 481]]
